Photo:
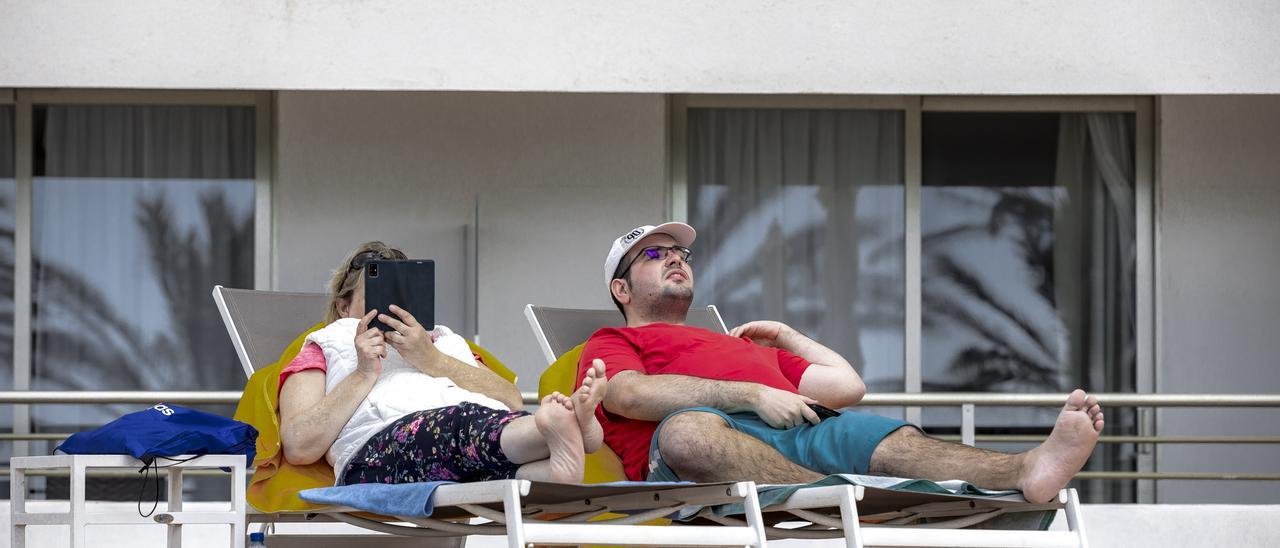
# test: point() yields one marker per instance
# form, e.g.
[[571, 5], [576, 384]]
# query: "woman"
[[416, 405]]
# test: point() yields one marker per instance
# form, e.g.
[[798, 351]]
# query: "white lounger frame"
[[517, 518], [812, 506]]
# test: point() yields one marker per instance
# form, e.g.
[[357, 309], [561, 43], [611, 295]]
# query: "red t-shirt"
[[666, 349], [310, 357]]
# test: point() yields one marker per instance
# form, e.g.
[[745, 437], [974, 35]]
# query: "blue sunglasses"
[[655, 253]]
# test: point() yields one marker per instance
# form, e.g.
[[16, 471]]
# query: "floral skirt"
[[457, 443]]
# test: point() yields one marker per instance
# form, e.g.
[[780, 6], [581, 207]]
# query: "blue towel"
[[398, 499]]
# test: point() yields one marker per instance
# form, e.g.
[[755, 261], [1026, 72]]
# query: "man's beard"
[[672, 304]]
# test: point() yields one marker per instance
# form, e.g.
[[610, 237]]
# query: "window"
[[137, 210]]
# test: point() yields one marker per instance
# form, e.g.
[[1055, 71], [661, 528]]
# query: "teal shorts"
[[838, 445]]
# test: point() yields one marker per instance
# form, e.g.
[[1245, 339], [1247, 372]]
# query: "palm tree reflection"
[[81, 342], [989, 282]]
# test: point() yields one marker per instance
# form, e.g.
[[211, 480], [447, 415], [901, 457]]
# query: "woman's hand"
[[411, 339], [371, 347]]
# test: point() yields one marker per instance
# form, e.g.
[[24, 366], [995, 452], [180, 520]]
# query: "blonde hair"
[[347, 276]]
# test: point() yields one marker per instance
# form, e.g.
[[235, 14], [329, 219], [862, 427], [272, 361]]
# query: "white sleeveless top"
[[400, 389]]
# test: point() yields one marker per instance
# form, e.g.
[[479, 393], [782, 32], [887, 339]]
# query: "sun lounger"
[[865, 511], [262, 324]]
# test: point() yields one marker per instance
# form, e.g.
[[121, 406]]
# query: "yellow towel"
[[275, 483]]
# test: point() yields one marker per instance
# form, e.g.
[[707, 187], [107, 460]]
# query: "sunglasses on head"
[[362, 259], [656, 253]]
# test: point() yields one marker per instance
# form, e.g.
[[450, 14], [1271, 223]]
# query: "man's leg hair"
[[702, 447], [1038, 473], [910, 453]]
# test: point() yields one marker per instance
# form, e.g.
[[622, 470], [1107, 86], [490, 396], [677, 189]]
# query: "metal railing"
[[966, 401]]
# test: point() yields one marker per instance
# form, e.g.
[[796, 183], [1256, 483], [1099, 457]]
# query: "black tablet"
[[409, 284]]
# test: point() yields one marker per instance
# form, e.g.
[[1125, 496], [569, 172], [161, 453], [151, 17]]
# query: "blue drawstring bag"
[[161, 432], [166, 431]]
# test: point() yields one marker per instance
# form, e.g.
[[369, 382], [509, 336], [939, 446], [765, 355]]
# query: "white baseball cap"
[[683, 233]]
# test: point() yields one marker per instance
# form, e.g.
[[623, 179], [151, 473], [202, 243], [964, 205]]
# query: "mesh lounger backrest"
[[561, 329], [263, 323]]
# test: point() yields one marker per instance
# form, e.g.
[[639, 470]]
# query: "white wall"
[[557, 176], [1219, 285], [750, 46]]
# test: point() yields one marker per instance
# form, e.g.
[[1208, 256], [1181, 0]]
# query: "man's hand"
[[782, 409], [371, 347], [829, 379], [411, 339], [763, 333]]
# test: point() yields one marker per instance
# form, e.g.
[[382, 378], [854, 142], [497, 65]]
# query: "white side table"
[[78, 516]]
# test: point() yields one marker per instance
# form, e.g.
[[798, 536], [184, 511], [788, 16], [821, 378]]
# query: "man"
[[738, 406]]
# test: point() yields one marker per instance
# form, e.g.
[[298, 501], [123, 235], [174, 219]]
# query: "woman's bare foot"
[[585, 400], [558, 425], [1048, 468]]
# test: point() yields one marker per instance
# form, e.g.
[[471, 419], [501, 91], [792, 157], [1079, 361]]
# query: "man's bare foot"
[[1048, 468], [559, 427], [585, 400]]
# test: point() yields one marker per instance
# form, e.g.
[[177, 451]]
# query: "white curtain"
[[1095, 255], [1095, 261], [173, 142], [800, 219]]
